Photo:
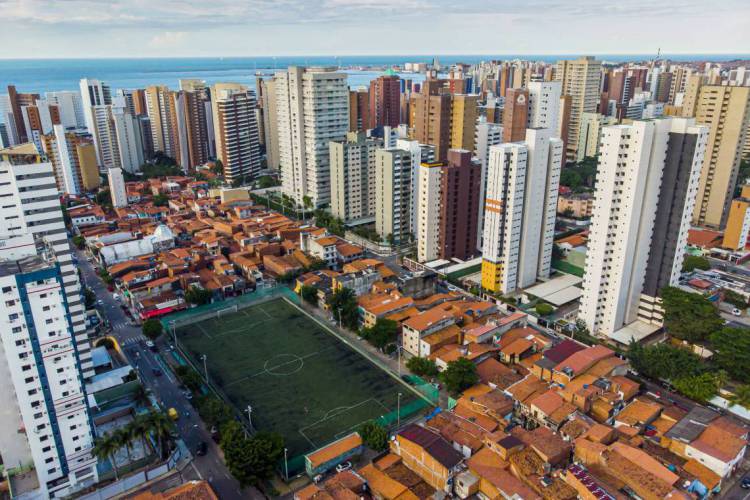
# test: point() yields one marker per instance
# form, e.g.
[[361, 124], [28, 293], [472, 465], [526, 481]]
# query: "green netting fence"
[[567, 268]]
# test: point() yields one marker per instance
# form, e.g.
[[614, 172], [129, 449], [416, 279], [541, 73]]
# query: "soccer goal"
[[225, 311]]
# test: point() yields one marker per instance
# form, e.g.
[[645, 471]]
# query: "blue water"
[[42, 75]]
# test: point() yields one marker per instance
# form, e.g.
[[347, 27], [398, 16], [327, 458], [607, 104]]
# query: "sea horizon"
[[39, 75]]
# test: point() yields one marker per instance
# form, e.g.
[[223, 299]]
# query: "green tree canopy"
[[731, 347], [700, 388], [152, 328], [267, 181], [459, 375], [544, 309], [382, 333], [250, 460], [374, 435], [213, 411], [689, 316], [161, 200], [343, 303], [734, 298], [423, 367], [309, 294], [198, 296], [741, 396], [189, 377], [664, 361], [693, 262]]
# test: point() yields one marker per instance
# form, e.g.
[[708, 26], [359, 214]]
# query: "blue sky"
[[143, 28]]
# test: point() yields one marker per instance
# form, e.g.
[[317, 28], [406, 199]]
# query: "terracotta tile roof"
[[334, 449], [517, 347], [527, 389], [719, 442], [709, 478], [584, 359], [192, 490], [563, 351], [646, 461], [639, 412], [429, 318], [704, 238], [547, 402], [383, 486], [492, 371]]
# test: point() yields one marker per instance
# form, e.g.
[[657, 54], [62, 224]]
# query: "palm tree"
[[741, 396], [139, 428], [122, 437], [161, 427], [141, 395], [106, 447], [306, 204]]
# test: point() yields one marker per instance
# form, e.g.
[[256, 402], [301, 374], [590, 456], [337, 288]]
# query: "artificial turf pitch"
[[301, 380]]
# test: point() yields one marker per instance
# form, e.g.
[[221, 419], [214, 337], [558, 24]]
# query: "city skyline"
[[128, 28]]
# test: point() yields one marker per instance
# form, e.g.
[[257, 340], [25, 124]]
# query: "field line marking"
[[203, 330], [299, 358], [306, 438], [328, 416]]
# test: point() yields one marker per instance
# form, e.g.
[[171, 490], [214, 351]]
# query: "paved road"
[[166, 389]]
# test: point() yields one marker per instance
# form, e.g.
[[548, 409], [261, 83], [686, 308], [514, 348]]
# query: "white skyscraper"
[[70, 105], [45, 354], [520, 205], [353, 177], [94, 93], [312, 107], [544, 105], [645, 193], [420, 153], [129, 147], [487, 135], [105, 136], [117, 188]]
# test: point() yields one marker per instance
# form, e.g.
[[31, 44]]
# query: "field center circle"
[[283, 364]]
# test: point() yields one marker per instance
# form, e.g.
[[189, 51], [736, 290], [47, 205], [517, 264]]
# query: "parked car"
[[745, 484], [157, 372], [343, 467], [201, 449], [736, 312], [173, 414]]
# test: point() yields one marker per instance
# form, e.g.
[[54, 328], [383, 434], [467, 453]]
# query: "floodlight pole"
[[398, 412], [205, 366], [250, 415], [286, 466]]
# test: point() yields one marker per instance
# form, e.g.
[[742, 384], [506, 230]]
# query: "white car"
[[343, 467], [736, 312], [115, 296], [149, 344]]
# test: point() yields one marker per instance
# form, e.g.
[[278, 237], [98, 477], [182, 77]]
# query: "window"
[[17, 329], [7, 289], [51, 471], [32, 391], [45, 308], [10, 303]]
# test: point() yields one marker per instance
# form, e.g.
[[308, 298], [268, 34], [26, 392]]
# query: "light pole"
[[250, 415], [286, 467], [174, 332], [205, 366], [398, 412]]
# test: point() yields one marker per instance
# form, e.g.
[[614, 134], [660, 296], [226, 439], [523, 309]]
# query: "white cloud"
[[168, 39]]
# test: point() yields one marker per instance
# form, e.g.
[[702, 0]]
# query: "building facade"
[[353, 167]]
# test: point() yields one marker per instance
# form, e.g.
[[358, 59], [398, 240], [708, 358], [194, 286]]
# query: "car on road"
[[188, 395], [99, 302], [157, 372], [173, 414], [736, 312], [343, 467], [201, 449], [745, 484]]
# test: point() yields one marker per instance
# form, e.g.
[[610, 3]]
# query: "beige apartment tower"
[[580, 80], [726, 111]]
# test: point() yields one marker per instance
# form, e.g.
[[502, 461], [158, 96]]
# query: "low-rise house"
[[326, 458], [358, 281], [375, 306], [428, 454], [419, 326], [579, 363], [550, 410]]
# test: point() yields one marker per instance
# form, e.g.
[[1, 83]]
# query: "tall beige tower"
[[693, 85], [726, 111], [580, 80]]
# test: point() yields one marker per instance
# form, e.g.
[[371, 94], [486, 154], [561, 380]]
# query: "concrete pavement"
[[166, 389]]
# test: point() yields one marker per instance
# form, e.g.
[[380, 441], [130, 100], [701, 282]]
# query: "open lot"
[[301, 380]]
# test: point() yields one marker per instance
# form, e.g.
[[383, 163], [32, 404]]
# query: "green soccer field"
[[301, 380]]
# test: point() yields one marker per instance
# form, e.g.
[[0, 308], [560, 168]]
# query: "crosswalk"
[[121, 325], [133, 340]]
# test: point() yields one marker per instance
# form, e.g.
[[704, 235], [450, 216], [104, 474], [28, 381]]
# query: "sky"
[[183, 28]]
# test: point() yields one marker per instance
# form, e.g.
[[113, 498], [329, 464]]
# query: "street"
[[166, 390]]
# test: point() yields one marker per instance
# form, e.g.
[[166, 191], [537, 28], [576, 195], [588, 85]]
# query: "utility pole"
[[398, 412], [286, 467], [205, 366], [250, 415]]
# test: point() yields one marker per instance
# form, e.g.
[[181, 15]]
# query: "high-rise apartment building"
[[236, 131], [359, 110], [394, 194], [726, 112], [544, 105], [515, 115], [17, 101], [312, 109], [737, 231], [520, 205], [353, 168], [70, 106], [129, 147], [487, 135], [117, 188], [73, 158], [693, 84], [105, 136], [94, 93], [45, 350], [448, 207], [590, 132], [193, 105], [270, 123], [646, 187], [162, 113], [385, 101], [463, 121], [580, 80]]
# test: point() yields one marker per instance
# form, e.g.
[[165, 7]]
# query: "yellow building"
[[738, 222], [725, 110], [86, 153], [492, 275], [464, 119]]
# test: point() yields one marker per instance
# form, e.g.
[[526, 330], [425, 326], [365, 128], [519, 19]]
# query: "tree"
[[307, 204], [309, 294], [423, 367], [213, 411], [664, 361], [374, 435], [198, 296], [250, 460], [152, 328], [189, 377], [267, 181], [731, 347], [689, 316], [103, 197], [105, 447], [161, 427], [89, 297], [141, 395], [544, 309], [382, 333], [160, 200], [79, 241], [741, 396], [701, 387], [343, 303], [121, 436], [734, 298], [459, 375], [218, 167], [316, 264], [693, 262]]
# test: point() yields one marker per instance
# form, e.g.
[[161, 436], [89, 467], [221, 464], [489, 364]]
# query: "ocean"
[[44, 75]]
